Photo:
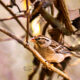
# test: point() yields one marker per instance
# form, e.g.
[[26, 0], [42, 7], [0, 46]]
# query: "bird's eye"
[[37, 39]]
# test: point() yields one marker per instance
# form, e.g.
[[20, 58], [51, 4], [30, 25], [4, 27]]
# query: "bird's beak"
[[33, 39]]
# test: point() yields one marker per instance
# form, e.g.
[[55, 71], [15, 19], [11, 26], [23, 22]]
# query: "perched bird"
[[54, 53], [51, 50]]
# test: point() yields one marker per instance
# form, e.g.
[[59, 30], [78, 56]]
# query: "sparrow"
[[50, 50]]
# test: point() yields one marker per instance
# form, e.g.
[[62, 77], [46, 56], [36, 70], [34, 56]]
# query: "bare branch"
[[63, 13], [44, 28], [18, 21], [66, 15], [13, 3], [19, 16], [28, 19], [35, 12], [50, 19], [38, 56], [7, 39], [54, 22]]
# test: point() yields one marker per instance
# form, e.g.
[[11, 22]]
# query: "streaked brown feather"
[[52, 51], [59, 48]]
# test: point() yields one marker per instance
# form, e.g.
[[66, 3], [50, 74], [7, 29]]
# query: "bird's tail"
[[75, 54]]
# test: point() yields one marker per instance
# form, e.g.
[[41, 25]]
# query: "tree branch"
[[39, 57], [7, 39], [50, 19], [18, 21], [65, 13], [54, 22], [45, 28], [28, 19], [18, 16]]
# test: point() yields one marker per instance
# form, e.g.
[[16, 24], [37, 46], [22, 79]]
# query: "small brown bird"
[[51, 50]]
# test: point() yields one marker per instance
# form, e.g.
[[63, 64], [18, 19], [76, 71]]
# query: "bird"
[[53, 52], [50, 50]]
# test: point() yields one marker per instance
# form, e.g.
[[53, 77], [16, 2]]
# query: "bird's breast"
[[50, 55]]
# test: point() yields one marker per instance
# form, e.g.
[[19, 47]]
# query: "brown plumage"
[[51, 50]]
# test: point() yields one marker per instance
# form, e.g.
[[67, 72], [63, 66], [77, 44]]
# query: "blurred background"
[[15, 61]]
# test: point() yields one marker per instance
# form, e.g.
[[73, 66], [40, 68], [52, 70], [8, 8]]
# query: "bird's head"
[[41, 41]]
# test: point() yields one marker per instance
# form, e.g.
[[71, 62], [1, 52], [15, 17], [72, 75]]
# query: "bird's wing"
[[58, 48]]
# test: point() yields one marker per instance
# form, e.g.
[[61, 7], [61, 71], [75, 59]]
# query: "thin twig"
[[19, 16], [13, 3], [27, 25], [38, 6], [8, 39], [35, 12], [39, 57], [44, 28], [18, 21]]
